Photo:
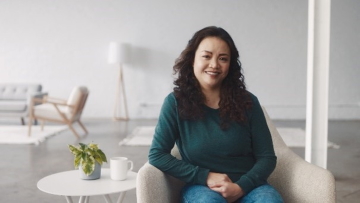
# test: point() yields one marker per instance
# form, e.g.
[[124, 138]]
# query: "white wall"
[[61, 44]]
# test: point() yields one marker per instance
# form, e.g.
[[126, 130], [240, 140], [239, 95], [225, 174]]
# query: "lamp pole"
[[120, 97]]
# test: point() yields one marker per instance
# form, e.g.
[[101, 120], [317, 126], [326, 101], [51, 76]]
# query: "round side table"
[[69, 184]]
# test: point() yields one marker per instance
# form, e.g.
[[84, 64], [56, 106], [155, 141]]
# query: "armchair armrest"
[[49, 100], [56, 100], [154, 186], [300, 181]]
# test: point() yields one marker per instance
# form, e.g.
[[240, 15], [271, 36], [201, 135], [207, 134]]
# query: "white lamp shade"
[[118, 53], [114, 53]]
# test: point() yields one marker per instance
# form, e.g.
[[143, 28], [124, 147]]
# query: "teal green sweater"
[[244, 151]]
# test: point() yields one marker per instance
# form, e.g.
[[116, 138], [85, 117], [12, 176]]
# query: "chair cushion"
[[49, 111], [76, 94], [12, 105]]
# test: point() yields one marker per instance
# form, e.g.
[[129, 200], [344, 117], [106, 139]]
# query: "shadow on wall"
[[150, 59], [148, 79]]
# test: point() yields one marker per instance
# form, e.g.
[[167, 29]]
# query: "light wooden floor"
[[21, 166]]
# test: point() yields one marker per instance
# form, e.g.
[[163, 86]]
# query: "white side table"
[[69, 184]]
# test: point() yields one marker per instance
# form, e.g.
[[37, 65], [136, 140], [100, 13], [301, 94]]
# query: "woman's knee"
[[264, 193], [200, 194]]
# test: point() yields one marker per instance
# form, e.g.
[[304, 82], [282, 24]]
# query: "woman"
[[218, 126]]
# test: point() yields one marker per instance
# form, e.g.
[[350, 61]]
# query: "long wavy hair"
[[234, 99]]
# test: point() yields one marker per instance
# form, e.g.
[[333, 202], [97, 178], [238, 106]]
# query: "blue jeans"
[[203, 194]]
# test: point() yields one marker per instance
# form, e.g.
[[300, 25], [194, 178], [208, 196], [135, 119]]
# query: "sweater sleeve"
[[166, 133], [263, 150]]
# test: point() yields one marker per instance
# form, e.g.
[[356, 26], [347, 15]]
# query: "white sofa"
[[15, 99], [297, 180]]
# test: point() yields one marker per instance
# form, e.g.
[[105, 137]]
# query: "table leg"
[[121, 197], [68, 199], [82, 199], [107, 198]]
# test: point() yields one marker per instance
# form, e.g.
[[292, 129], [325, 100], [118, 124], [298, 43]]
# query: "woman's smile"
[[212, 73]]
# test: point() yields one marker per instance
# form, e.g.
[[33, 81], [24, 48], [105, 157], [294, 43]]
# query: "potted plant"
[[88, 158]]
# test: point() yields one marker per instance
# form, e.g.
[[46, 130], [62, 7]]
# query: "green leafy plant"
[[86, 156]]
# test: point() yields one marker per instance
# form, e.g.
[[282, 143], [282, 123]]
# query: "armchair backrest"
[[77, 100], [296, 179]]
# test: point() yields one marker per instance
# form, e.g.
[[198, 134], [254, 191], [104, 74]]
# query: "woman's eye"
[[206, 56], [223, 59]]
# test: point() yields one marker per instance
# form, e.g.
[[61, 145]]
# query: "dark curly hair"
[[234, 99]]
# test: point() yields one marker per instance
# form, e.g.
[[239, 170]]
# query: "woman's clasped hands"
[[222, 184]]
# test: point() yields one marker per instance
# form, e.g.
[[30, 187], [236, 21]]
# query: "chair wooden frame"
[[57, 103]]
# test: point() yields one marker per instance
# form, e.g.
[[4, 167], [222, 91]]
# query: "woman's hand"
[[214, 178], [222, 184], [230, 191]]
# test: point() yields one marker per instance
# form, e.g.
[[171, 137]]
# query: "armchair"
[[59, 110], [295, 179]]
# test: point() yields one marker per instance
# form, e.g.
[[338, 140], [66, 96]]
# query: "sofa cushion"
[[17, 91], [12, 105]]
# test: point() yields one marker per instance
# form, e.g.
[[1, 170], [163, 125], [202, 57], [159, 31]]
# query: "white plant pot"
[[96, 174]]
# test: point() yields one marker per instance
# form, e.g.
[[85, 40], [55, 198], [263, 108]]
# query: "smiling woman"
[[209, 72], [219, 127], [211, 66]]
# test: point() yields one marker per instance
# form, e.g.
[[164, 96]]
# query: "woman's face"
[[211, 62]]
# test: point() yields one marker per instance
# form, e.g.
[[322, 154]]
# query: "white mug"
[[119, 166]]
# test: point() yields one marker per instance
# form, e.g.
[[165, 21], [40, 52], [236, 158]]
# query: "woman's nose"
[[214, 63]]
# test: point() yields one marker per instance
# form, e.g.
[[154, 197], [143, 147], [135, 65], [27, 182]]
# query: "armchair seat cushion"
[[50, 112], [12, 105]]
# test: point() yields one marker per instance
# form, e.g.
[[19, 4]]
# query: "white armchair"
[[59, 110], [295, 179]]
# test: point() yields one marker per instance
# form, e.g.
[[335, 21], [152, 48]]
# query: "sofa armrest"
[[35, 95], [300, 181], [154, 186], [38, 94]]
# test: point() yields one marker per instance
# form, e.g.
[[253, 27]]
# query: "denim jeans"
[[202, 194]]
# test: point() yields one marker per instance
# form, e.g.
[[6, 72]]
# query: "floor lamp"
[[117, 56]]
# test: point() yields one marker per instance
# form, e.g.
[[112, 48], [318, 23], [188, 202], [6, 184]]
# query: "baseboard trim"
[[299, 112]]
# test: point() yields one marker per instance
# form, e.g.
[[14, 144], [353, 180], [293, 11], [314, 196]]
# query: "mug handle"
[[131, 165]]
